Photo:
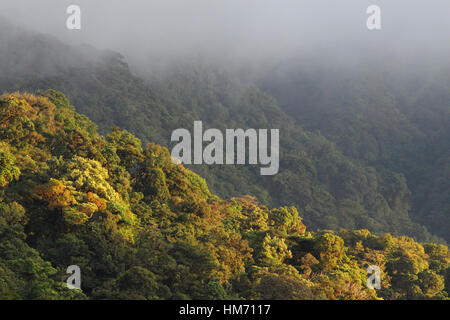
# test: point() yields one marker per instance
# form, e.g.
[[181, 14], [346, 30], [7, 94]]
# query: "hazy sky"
[[241, 27]]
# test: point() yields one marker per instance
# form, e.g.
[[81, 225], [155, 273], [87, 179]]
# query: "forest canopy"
[[141, 227], [86, 178]]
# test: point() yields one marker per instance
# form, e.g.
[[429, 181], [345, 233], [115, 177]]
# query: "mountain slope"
[[141, 227], [331, 189], [395, 117]]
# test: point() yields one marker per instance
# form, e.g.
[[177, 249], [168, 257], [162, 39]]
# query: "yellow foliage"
[[95, 199], [55, 194]]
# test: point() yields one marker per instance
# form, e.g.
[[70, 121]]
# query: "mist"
[[250, 31], [342, 94]]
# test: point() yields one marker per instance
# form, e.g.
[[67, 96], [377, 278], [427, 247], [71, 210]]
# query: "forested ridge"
[[363, 180], [141, 227], [332, 188], [396, 119]]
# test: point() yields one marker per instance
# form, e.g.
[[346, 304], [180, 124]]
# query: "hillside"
[[394, 118], [141, 227], [332, 187]]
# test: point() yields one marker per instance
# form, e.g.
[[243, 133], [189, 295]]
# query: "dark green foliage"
[[141, 227], [394, 117], [354, 156]]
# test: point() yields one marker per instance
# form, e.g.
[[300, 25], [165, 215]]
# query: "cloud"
[[242, 28]]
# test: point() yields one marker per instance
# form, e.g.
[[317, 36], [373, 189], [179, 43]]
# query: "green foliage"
[[141, 227], [8, 171], [371, 152]]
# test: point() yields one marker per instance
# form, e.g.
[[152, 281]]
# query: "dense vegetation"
[[331, 186], [396, 118], [363, 149], [141, 227]]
